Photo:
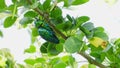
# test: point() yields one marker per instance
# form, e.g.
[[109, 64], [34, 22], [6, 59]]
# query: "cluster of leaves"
[[7, 59], [82, 35]]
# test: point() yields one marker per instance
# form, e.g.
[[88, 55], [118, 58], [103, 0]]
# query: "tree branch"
[[91, 60], [46, 17]]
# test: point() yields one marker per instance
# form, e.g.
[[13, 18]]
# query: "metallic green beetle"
[[46, 32]]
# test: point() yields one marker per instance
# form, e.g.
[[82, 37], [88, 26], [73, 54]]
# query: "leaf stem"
[[14, 11]]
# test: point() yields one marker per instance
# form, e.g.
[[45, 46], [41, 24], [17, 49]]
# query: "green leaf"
[[68, 59], [46, 4], [97, 53], [26, 20], [1, 34], [35, 32], [91, 66], [2, 5], [22, 3], [33, 39], [98, 29], [9, 21], [34, 5], [44, 47], [30, 61], [72, 45], [57, 12], [60, 65], [79, 2], [88, 34], [87, 29], [14, 1], [65, 26], [117, 42], [89, 26], [10, 63], [102, 35], [67, 3], [69, 18], [59, 47], [31, 14], [54, 49], [80, 35], [82, 19], [40, 60], [55, 60], [110, 54], [32, 49], [34, 61]]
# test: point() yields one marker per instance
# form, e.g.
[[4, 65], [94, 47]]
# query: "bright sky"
[[101, 14]]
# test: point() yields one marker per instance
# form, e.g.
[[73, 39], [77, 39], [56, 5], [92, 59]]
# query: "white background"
[[100, 13]]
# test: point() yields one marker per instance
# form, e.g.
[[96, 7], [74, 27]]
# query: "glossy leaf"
[[55, 60], [30, 61], [82, 19], [87, 29], [101, 35], [40, 6], [46, 4], [9, 21], [91, 66], [22, 3], [10, 63], [80, 35], [59, 65], [26, 20], [44, 47], [89, 26], [57, 12], [88, 33], [78, 2], [96, 41], [69, 18], [54, 49], [34, 5], [68, 59], [98, 29], [117, 42], [97, 53], [67, 3], [72, 45], [14, 1], [32, 49], [40, 60], [35, 32], [2, 5], [33, 39], [65, 26], [31, 14]]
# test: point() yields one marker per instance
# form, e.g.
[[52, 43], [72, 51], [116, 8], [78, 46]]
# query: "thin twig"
[[91, 60]]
